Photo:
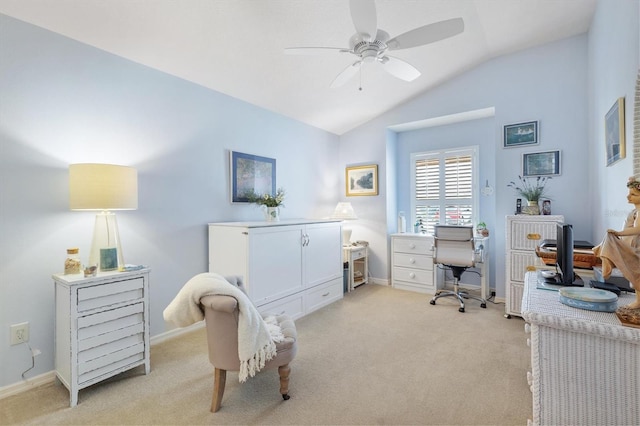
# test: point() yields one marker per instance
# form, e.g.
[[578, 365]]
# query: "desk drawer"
[[413, 245], [421, 276], [413, 261]]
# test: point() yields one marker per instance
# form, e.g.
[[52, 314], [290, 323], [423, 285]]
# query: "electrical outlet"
[[19, 333]]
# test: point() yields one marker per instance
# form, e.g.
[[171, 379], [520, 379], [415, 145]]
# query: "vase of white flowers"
[[270, 203]]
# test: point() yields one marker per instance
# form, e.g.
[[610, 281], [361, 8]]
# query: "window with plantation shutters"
[[444, 188]]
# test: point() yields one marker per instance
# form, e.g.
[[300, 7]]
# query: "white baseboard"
[[379, 281], [168, 335], [50, 376], [27, 384]]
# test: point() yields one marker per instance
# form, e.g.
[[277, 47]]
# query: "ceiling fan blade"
[[399, 68], [346, 74], [363, 15], [427, 34], [314, 50]]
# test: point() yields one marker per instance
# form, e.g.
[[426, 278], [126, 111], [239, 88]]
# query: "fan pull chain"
[[360, 73]]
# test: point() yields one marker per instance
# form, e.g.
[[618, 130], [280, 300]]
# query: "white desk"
[[585, 365]]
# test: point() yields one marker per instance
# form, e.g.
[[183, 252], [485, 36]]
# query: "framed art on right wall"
[[614, 132]]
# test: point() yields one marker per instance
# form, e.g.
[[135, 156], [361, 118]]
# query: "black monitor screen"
[[564, 255]]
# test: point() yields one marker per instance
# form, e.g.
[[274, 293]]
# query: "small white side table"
[[358, 260], [101, 328]]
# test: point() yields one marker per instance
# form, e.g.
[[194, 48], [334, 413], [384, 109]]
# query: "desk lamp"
[[344, 211], [104, 187]]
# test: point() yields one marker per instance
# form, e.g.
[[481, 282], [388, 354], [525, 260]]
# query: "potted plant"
[[481, 228], [270, 203], [533, 190]]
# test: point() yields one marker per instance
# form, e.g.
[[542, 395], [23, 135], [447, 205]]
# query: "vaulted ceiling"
[[237, 46]]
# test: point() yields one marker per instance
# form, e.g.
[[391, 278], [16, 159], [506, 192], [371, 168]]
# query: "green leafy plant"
[[481, 225], [267, 200], [530, 188]]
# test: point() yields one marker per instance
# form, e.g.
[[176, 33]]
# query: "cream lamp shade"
[[104, 187], [344, 211]]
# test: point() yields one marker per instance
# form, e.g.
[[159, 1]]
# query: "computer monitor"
[[564, 257]]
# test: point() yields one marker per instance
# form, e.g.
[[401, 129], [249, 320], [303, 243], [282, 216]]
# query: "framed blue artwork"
[[521, 134], [251, 174]]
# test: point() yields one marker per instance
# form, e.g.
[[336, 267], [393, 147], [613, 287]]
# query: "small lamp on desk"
[[344, 211], [104, 187]]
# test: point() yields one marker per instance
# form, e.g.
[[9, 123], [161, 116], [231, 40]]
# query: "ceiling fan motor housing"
[[369, 51]]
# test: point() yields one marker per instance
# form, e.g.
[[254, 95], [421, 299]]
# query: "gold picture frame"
[[361, 180], [614, 132]]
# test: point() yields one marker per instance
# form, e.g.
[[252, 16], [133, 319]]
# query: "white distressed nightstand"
[[358, 259], [102, 327]]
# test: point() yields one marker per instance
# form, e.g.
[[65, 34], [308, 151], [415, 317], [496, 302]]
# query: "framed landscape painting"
[[541, 163], [521, 134], [251, 173], [362, 180]]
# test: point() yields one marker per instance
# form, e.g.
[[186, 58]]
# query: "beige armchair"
[[221, 319]]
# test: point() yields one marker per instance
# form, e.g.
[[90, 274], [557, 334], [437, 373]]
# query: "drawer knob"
[[412, 260], [527, 328], [326, 294], [412, 275], [531, 268], [533, 236], [412, 246]]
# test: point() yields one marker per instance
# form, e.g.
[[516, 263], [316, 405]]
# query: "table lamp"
[[104, 187], [344, 211]]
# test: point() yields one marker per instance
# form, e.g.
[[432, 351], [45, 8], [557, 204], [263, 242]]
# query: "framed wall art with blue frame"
[[251, 174]]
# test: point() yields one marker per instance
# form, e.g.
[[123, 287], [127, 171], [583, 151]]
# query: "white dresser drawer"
[[420, 276], [323, 295], [100, 295], [291, 305], [417, 261], [413, 245]]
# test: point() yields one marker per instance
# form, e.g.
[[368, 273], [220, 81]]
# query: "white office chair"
[[455, 249]]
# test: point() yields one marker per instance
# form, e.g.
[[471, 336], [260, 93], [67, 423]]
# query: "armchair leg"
[[284, 371], [219, 380]]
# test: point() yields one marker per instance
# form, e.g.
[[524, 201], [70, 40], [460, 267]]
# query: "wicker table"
[[585, 366]]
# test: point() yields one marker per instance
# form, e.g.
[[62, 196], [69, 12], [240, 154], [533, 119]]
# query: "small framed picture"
[[521, 134], [614, 132], [108, 259], [541, 163], [361, 180]]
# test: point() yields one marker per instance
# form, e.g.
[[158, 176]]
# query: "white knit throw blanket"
[[255, 344]]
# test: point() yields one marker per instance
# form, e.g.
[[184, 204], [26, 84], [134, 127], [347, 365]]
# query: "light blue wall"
[[63, 102]]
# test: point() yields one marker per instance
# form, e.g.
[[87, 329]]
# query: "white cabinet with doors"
[[524, 233], [290, 266]]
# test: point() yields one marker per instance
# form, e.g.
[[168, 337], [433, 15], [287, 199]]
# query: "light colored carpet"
[[379, 356]]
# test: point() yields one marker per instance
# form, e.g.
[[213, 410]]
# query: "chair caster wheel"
[[286, 397], [483, 305], [461, 309], [433, 302]]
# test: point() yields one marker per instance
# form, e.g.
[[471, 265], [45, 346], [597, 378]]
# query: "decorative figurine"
[[621, 249]]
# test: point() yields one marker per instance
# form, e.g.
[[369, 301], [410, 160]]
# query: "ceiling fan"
[[370, 44]]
